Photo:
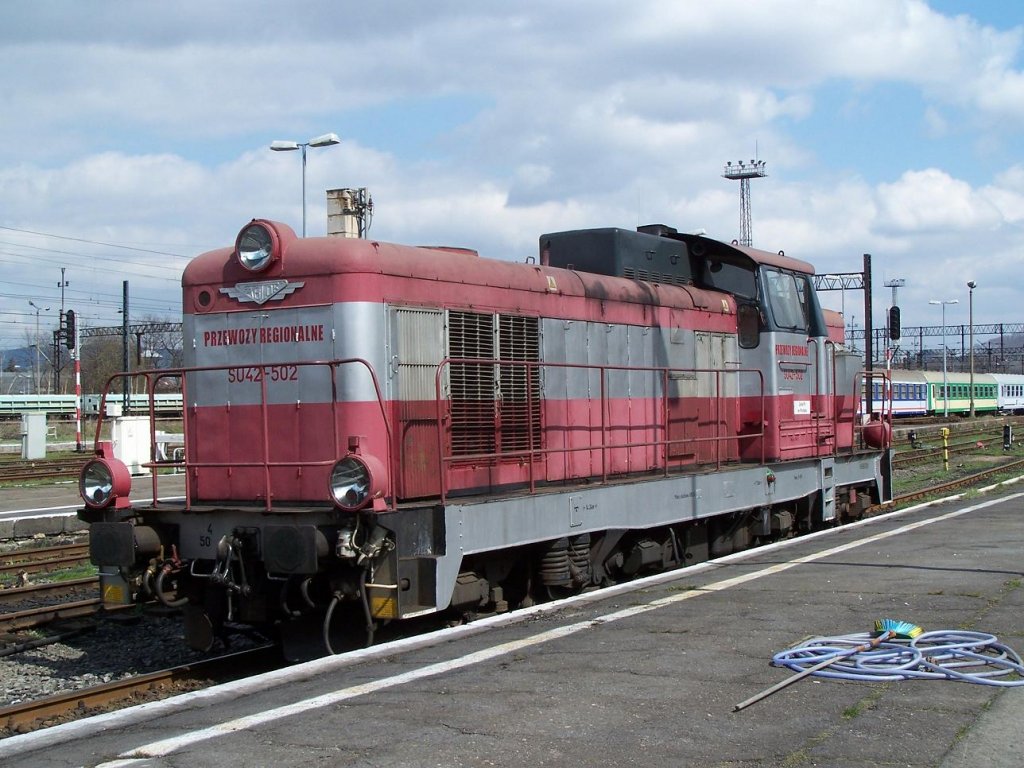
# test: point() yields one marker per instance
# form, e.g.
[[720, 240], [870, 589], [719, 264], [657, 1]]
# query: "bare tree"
[[101, 358], [163, 349]]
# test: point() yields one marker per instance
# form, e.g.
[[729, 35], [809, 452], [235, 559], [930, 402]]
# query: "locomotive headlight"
[[353, 482], [104, 482], [255, 246]]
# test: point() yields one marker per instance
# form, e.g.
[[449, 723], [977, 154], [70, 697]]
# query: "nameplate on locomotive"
[[261, 292]]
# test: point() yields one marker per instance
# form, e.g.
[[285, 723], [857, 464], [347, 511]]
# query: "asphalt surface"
[[649, 674], [49, 510]]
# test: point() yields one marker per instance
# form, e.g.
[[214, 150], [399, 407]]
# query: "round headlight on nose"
[[350, 483], [256, 246], [103, 482], [355, 481]]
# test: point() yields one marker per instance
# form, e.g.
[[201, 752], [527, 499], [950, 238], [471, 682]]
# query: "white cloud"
[[931, 200], [153, 130]]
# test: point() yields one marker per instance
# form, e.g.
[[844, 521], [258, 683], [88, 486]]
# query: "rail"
[[864, 413], [827, 358]]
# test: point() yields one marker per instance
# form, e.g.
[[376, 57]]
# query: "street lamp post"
[[326, 140], [971, 285], [945, 384], [38, 309]]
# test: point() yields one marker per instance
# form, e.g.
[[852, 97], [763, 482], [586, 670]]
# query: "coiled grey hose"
[[971, 657]]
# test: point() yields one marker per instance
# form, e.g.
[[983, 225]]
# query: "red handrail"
[[533, 453], [152, 376]]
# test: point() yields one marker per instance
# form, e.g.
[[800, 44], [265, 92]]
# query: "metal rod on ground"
[[811, 670]]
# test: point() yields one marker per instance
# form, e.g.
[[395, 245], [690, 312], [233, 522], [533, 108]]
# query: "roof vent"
[[661, 230]]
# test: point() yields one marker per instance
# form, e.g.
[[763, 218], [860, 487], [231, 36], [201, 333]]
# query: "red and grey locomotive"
[[376, 432]]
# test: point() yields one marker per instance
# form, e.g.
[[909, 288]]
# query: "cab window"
[[787, 299], [748, 325]]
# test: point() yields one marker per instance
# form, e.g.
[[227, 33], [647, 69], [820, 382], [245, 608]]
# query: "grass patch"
[[864, 705], [795, 759], [84, 571]]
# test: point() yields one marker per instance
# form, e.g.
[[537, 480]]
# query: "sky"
[[136, 135]]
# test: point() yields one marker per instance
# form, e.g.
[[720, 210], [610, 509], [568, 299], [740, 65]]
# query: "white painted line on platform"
[[65, 510]]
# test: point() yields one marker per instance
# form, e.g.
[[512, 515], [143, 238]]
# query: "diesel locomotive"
[[374, 432]]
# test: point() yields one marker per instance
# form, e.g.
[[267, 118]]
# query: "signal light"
[[69, 329], [894, 323]]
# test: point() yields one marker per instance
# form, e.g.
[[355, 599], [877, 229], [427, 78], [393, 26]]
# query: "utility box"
[[33, 435], [130, 436]]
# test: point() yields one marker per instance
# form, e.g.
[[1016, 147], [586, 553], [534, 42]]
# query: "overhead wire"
[[111, 301], [93, 242]]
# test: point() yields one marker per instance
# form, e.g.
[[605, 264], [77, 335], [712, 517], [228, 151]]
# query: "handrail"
[[863, 392], [533, 453], [829, 361], [151, 377]]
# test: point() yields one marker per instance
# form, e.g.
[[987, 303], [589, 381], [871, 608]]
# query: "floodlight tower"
[[744, 172]]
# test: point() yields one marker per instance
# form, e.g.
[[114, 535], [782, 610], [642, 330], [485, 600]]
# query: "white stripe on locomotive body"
[[231, 339], [404, 345], [650, 350], [238, 342]]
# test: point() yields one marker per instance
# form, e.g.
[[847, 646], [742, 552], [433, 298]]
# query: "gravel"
[[147, 644]]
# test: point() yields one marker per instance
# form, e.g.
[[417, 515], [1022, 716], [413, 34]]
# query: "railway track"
[[43, 559], [32, 605], [38, 605], [951, 485], [51, 710], [41, 469], [43, 615], [46, 591], [926, 455]]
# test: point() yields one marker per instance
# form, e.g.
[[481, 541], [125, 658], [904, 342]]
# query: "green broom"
[[885, 629]]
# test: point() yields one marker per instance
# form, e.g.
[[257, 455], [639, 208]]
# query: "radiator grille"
[[519, 385], [471, 335], [494, 407]]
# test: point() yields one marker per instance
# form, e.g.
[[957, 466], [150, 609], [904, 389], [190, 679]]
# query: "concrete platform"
[[646, 675], [50, 510]]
